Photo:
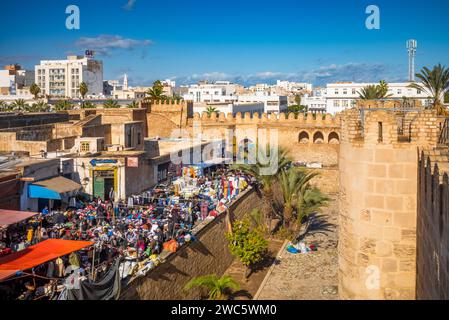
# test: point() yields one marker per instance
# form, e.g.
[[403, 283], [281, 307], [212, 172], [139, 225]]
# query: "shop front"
[[104, 178], [54, 193], [104, 183]]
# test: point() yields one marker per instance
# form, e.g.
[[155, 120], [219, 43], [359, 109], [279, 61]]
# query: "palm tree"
[[211, 110], [111, 104], [156, 92], [3, 105], [292, 182], [266, 182], [374, 92], [30, 108], [311, 201], [84, 89], [40, 107], [219, 288], [88, 105], [133, 105], [63, 105], [435, 83], [35, 90], [19, 105], [383, 90], [368, 93], [300, 198]]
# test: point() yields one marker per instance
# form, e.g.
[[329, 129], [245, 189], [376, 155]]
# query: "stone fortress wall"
[[433, 225]]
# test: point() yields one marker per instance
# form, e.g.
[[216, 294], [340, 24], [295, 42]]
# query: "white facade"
[[272, 103], [341, 96], [62, 78], [315, 104], [294, 86], [169, 83], [232, 108], [218, 92], [224, 92]]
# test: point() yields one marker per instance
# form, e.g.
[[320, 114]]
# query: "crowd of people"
[[162, 219]]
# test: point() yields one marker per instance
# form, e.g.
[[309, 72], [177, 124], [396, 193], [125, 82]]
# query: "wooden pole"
[[93, 265]]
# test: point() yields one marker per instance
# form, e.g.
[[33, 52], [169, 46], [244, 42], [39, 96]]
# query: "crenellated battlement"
[[165, 106], [389, 104], [373, 126], [326, 120]]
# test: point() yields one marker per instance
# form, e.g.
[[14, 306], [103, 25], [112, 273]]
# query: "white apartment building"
[[272, 103], [340, 96], [169, 83], [315, 104], [217, 92], [233, 108], [62, 78], [294, 86], [260, 88]]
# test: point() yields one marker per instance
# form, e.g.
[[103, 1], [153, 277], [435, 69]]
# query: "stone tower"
[[378, 204]]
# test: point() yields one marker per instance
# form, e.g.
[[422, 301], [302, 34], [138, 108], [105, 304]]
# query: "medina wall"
[[13, 120], [432, 281], [165, 117], [208, 255], [307, 138]]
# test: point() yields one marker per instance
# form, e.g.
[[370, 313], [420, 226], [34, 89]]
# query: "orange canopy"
[[38, 254]]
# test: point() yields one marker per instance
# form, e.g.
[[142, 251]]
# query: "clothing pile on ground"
[[135, 234], [301, 247]]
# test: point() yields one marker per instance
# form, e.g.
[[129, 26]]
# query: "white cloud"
[[104, 44], [129, 5], [359, 72]]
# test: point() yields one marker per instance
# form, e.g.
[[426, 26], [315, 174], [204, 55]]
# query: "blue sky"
[[245, 41]]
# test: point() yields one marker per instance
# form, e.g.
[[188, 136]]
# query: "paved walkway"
[[312, 276]]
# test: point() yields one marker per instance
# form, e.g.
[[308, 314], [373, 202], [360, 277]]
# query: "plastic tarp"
[[107, 288], [9, 217], [38, 254], [53, 188]]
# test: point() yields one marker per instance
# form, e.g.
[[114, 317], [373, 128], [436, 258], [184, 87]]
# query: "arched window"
[[304, 137], [318, 138], [334, 138]]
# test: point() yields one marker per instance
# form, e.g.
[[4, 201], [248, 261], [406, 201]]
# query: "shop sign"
[[132, 162], [96, 162]]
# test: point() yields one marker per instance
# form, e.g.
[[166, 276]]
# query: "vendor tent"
[[38, 254], [54, 188], [9, 217]]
